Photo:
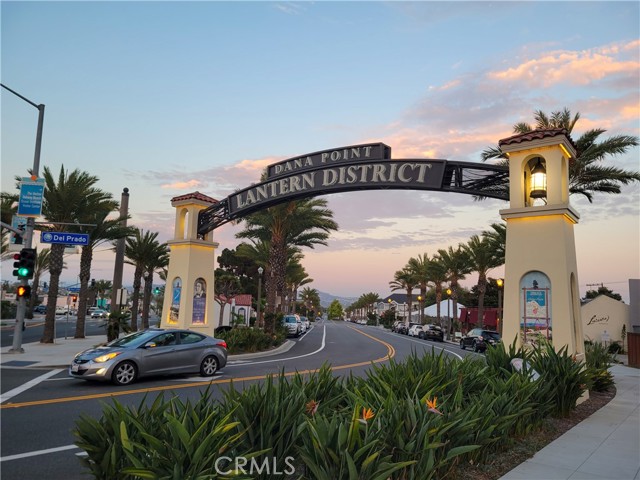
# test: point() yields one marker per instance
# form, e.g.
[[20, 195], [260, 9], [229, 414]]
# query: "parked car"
[[305, 321], [293, 324], [40, 309], [431, 332], [154, 351], [404, 328], [99, 314], [396, 325], [415, 330], [479, 339], [62, 310]]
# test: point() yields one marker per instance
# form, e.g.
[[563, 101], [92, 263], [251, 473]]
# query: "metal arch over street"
[[355, 168]]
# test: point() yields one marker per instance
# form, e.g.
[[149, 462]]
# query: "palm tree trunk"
[[34, 295], [85, 273], [146, 300], [482, 288], [56, 261], [135, 298]]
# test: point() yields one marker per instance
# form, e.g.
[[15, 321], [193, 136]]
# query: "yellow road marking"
[[391, 352]]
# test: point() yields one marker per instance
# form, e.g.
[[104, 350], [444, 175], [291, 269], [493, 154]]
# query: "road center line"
[[31, 383], [38, 452]]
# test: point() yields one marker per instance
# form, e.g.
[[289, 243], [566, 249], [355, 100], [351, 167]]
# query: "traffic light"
[[24, 291], [74, 298], [26, 262], [156, 291]]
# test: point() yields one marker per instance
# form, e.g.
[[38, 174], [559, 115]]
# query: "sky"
[[167, 98]]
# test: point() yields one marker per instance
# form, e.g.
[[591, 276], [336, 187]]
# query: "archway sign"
[[351, 168]]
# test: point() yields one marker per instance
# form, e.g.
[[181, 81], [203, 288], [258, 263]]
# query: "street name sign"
[[65, 238]]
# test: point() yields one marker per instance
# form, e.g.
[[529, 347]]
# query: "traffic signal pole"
[[28, 235]]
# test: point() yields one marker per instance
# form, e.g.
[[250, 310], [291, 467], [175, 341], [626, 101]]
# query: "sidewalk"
[[604, 446]]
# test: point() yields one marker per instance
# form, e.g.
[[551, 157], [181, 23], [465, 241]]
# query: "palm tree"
[[457, 266], [300, 223], [437, 275], [297, 276], [497, 237], [66, 201], [310, 297], [138, 251], [420, 268], [104, 229], [482, 258], [158, 260], [405, 280], [41, 267], [8, 208], [586, 175], [102, 289]]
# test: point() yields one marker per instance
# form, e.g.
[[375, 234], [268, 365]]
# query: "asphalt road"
[[37, 439]]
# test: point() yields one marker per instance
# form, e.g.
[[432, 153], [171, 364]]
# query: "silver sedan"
[[151, 352]]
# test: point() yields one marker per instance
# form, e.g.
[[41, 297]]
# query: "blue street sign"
[[73, 289], [31, 194], [65, 237]]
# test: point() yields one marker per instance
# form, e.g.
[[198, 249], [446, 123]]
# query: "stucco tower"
[[541, 295], [188, 297]]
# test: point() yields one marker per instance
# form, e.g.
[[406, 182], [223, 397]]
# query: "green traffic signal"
[[23, 271]]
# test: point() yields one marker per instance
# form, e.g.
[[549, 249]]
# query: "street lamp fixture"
[[538, 180]]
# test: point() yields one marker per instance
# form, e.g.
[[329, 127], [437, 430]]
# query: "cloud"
[[188, 185], [572, 67]]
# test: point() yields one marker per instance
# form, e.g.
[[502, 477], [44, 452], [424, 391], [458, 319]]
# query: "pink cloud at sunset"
[[571, 68]]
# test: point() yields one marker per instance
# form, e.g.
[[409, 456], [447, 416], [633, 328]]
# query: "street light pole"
[[260, 270], [448, 313], [28, 237]]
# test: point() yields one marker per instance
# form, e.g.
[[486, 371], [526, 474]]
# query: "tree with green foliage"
[[602, 290], [299, 223], [335, 311], [482, 258], [66, 201]]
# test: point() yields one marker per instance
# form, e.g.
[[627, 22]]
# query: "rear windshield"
[[494, 335]]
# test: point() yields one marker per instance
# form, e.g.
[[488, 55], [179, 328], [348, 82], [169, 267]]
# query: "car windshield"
[[290, 320], [134, 339]]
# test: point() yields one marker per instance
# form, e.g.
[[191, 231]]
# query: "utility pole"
[[28, 235]]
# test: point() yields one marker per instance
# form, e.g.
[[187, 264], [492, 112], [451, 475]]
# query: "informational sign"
[[536, 303], [31, 195], [73, 289], [65, 238]]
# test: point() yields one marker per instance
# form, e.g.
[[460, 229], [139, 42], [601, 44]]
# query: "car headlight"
[[106, 357]]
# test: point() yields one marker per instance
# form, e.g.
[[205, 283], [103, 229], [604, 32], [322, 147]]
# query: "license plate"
[[74, 367]]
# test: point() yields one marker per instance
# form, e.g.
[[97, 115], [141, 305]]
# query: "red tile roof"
[[196, 196], [242, 300], [536, 135]]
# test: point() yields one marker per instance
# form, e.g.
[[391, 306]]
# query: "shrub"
[[8, 309], [598, 362], [565, 378], [245, 340], [167, 439]]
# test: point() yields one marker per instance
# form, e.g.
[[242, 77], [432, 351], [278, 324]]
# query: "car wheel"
[[475, 346], [421, 336], [125, 373], [209, 366], [462, 344]]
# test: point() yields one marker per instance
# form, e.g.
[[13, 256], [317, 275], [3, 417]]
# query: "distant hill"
[[327, 298]]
